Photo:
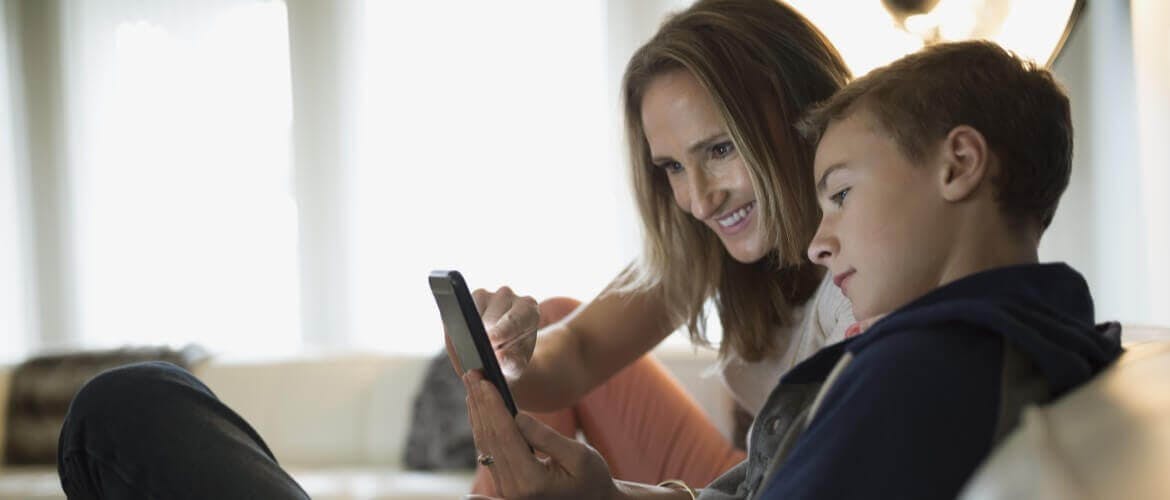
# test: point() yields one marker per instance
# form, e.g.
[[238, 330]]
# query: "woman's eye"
[[669, 168], [839, 197], [722, 149]]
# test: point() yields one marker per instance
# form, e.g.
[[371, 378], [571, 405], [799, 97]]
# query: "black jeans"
[[152, 430]]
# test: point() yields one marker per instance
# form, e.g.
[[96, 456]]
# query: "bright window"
[[186, 226], [486, 148]]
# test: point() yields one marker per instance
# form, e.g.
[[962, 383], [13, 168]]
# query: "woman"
[[724, 189]]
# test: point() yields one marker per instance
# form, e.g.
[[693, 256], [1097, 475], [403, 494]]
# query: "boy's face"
[[884, 234]]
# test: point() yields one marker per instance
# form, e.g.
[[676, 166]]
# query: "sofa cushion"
[[329, 410], [42, 388], [1108, 439], [439, 437]]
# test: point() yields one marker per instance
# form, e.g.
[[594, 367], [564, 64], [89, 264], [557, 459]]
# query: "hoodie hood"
[[1044, 310]]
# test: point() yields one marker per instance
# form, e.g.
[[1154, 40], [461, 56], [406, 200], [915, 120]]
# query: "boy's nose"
[[823, 246]]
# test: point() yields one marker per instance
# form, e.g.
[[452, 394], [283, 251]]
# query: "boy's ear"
[[965, 163]]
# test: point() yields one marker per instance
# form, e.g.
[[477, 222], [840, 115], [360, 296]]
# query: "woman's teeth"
[[737, 215]]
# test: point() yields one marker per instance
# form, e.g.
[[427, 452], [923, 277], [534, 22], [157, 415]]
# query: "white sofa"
[[339, 423]]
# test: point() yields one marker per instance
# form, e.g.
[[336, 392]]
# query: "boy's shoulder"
[[931, 387], [894, 406], [925, 368], [924, 345], [1040, 312], [1015, 302]]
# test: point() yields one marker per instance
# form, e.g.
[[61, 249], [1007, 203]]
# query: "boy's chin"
[[863, 314], [864, 310]]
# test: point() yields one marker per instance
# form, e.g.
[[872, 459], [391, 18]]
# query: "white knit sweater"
[[750, 383]]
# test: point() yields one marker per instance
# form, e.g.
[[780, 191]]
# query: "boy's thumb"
[[547, 440]]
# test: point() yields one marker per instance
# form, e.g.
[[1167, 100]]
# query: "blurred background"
[[270, 178]]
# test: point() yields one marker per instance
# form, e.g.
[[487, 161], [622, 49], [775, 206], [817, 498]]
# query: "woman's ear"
[[966, 163]]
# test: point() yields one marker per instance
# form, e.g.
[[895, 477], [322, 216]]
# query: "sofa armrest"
[[1107, 439]]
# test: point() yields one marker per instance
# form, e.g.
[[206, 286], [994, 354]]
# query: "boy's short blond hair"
[[1018, 107]]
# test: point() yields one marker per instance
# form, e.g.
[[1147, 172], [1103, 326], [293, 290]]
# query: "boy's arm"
[[910, 417]]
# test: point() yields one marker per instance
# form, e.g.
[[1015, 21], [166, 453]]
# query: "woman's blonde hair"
[[763, 64]]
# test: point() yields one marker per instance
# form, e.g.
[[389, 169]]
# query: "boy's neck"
[[988, 246]]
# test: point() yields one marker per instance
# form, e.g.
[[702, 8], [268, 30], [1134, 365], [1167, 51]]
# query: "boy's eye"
[[722, 149], [839, 197], [671, 167]]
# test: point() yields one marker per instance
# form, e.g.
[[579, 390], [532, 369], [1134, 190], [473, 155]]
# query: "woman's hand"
[[511, 322], [571, 470]]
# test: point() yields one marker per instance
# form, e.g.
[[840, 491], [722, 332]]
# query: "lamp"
[[870, 33]]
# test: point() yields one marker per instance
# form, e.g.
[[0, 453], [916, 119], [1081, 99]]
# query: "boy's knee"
[[129, 386], [121, 412]]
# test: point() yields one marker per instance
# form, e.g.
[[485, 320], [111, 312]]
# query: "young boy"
[[937, 176]]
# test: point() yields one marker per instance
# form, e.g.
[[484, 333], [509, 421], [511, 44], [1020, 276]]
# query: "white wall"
[[1102, 227]]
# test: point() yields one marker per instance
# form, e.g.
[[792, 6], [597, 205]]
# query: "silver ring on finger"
[[485, 459]]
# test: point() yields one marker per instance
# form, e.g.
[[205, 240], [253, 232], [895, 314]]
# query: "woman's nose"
[[705, 198]]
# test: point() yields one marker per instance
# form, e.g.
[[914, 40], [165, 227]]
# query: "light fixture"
[[870, 33]]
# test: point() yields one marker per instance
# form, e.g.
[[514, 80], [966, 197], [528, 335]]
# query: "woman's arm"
[[593, 343]]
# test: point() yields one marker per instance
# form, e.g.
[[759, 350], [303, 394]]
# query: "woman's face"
[[689, 141]]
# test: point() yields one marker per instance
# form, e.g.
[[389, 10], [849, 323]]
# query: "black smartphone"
[[465, 329]]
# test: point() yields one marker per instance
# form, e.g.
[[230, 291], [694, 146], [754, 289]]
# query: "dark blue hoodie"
[[910, 408]]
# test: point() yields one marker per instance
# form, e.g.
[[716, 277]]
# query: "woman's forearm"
[[589, 346], [556, 377]]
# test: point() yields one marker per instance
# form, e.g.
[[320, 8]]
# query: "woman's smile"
[[737, 220]]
